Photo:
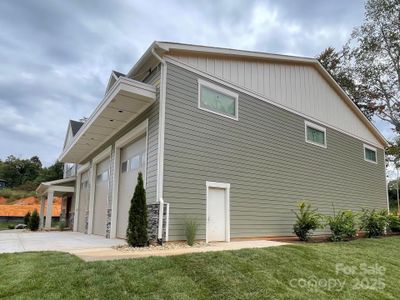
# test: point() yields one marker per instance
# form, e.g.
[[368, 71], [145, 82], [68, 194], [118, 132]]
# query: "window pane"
[[124, 166], [315, 135], [135, 162], [370, 154], [217, 101]]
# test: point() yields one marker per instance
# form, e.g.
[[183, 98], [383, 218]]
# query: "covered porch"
[[47, 191]]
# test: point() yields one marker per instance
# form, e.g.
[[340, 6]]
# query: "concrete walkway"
[[112, 254], [22, 241]]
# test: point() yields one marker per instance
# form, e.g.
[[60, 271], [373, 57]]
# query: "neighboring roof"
[[164, 48], [75, 126], [59, 182], [118, 74]]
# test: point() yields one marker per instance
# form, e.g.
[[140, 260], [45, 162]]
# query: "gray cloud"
[[56, 56]]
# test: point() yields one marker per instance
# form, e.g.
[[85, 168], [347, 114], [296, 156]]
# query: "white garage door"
[[83, 202], [133, 161], [100, 197]]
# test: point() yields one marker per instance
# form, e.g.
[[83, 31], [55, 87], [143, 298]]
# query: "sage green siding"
[[266, 160]]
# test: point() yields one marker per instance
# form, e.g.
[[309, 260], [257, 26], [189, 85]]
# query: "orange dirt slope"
[[22, 206]]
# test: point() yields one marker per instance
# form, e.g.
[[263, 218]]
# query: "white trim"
[[317, 127], [167, 225], [92, 179], [142, 128], [83, 168], [219, 89], [79, 171], [365, 146], [263, 98], [227, 187], [386, 182]]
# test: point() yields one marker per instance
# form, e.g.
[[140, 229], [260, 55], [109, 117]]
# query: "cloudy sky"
[[56, 56]]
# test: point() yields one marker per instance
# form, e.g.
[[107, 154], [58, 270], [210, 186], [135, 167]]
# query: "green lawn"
[[4, 225], [271, 273]]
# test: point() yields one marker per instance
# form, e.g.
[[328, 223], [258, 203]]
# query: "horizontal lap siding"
[[265, 159]]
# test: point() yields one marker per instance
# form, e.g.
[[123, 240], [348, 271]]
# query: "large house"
[[232, 139]]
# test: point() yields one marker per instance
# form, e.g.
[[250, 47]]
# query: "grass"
[[4, 225], [11, 194], [245, 274]]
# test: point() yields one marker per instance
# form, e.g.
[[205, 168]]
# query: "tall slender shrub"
[[27, 217], [190, 231], [307, 220], [136, 234], [34, 221]]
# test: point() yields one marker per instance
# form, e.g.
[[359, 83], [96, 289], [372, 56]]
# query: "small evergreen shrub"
[[27, 217], [62, 225], [136, 234], [307, 220], [34, 221], [190, 231], [373, 222], [342, 225], [393, 223]]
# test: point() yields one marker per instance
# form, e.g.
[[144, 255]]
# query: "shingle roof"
[[75, 126], [118, 74]]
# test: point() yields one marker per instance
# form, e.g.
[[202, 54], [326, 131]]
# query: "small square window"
[[124, 166], [370, 154], [315, 134], [135, 162]]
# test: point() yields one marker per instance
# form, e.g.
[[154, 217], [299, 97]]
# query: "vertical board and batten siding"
[[309, 93], [264, 157]]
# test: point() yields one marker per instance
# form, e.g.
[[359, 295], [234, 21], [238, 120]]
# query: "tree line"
[[367, 67], [27, 174]]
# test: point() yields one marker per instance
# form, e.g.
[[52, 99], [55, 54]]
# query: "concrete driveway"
[[21, 241]]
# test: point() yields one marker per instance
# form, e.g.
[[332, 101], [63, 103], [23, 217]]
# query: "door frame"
[[226, 187], [139, 130]]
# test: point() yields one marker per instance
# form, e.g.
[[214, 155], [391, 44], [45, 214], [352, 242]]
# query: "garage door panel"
[[133, 161], [100, 197], [83, 202]]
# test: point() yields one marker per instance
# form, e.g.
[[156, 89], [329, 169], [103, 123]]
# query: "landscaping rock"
[[20, 226]]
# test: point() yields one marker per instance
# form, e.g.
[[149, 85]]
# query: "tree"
[[17, 171], [34, 221], [136, 233], [374, 55], [27, 218], [335, 62]]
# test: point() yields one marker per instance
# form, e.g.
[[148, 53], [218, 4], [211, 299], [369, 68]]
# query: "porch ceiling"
[[126, 100]]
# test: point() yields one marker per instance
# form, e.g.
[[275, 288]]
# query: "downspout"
[[160, 154]]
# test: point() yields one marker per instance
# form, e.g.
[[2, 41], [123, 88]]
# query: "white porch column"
[[49, 212], [42, 204]]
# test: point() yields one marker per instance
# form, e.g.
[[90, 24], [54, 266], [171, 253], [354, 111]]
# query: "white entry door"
[[217, 214], [133, 161]]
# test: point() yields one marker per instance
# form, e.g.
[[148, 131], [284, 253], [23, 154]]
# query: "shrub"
[[190, 231], [342, 225], [373, 222], [136, 233], [62, 225], [34, 221], [393, 223], [27, 217], [307, 220], [11, 226]]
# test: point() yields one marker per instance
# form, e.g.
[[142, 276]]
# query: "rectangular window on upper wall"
[[218, 100], [370, 154], [315, 134]]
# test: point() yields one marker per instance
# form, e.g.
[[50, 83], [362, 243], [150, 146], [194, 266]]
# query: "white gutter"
[[160, 153]]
